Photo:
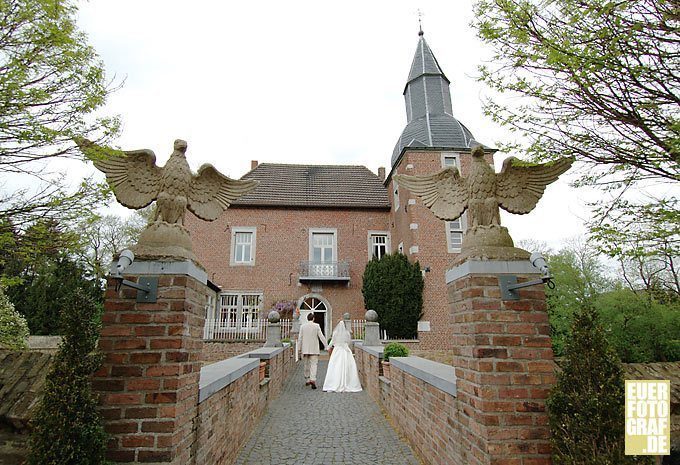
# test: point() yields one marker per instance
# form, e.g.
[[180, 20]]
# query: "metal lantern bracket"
[[509, 286], [147, 288]]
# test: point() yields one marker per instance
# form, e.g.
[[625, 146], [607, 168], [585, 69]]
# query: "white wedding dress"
[[342, 374]]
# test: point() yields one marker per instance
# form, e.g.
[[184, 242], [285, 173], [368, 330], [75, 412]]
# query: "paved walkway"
[[345, 428]]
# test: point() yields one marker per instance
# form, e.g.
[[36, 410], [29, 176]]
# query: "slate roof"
[[315, 186], [429, 114]]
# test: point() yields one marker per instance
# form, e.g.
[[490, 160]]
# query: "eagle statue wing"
[[520, 185], [211, 192], [133, 174], [445, 192]]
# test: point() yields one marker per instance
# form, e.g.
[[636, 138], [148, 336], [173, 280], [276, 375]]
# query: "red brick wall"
[[430, 237], [149, 379], [502, 359], [282, 242], [504, 367], [221, 350], [227, 418], [441, 422]]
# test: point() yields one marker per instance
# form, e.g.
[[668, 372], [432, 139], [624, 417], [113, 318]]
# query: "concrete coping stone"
[[437, 374], [217, 376], [490, 267], [373, 350], [158, 267], [265, 353]]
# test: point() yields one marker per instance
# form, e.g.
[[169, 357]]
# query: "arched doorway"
[[314, 303]]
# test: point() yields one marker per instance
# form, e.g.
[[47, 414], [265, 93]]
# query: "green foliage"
[[579, 277], [586, 406], [393, 287], [641, 329], [40, 266], [596, 80], [640, 325], [67, 426], [13, 327], [51, 86], [394, 349]]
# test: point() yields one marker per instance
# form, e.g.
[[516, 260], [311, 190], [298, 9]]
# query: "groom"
[[308, 342]]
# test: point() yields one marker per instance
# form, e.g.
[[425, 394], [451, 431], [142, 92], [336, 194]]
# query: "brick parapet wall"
[[214, 351], [504, 368], [368, 366], [226, 420], [149, 379], [431, 420], [228, 417]]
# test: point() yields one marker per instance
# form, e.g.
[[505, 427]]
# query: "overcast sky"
[[293, 82]]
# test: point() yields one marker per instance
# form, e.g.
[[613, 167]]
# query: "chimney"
[[253, 164], [381, 173]]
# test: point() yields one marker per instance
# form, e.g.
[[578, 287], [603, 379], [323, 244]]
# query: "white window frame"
[[454, 155], [388, 242], [454, 248], [237, 311], [395, 194], [400, 248], [232, 255], [332, 231]]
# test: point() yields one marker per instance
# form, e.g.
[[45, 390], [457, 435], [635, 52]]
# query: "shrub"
[[393, 287], [13, 326], [394, 349], [586, 406], [67, 426]]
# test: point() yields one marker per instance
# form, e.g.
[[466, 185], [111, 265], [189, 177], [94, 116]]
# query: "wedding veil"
[[341, 335]]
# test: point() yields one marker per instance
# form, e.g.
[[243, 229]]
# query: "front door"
[[318, 307]]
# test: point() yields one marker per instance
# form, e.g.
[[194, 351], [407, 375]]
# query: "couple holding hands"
[[342, 374]]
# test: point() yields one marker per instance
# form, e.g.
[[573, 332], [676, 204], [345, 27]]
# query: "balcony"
[[327, 271]]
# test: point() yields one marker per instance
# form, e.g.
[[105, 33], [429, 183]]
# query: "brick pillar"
[[149, 380], [504, 363]]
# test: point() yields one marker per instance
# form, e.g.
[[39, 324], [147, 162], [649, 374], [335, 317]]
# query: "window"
[[454, 234], [395, 189], [240, 311], [378, 244], [450, 159], [243, 246], [400, 249], [323, 252]]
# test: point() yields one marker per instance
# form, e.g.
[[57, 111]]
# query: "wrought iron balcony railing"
[[326, 271]]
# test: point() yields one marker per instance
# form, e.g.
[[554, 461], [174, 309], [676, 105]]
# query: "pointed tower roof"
[[424, 62], [429, 114]]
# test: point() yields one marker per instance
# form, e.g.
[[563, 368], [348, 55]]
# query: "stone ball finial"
[[372, 316], [274, 316], [345, 316]]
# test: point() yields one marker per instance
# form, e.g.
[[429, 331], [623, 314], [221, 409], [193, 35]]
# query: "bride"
[[342, 375]]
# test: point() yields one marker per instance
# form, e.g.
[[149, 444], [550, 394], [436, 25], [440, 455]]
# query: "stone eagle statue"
[[517, 189], [137, 181]]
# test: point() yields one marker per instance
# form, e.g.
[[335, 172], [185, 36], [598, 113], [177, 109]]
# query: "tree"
[[393, 287], [51, 83], [67, 426], [579, 278], [640, 328], [586, 405], [13, 327], [103, 237], [598, 80], [601, 80], [41, 269]]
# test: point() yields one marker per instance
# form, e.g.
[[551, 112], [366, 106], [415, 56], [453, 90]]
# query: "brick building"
[[306, 233]]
